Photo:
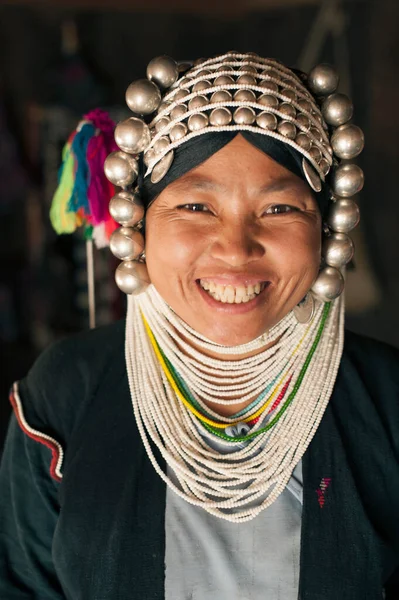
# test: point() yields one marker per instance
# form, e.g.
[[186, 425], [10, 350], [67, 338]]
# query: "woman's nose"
[[237, 245]]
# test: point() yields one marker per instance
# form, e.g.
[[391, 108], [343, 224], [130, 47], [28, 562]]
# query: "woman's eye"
[[278, 209], [194, 207]]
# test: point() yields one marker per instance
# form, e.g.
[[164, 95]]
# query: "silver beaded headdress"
[[237, 92]]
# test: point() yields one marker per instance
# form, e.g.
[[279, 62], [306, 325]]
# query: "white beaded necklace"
[[235, 486]]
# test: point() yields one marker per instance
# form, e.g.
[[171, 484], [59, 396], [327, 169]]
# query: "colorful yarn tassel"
[[83, 193]]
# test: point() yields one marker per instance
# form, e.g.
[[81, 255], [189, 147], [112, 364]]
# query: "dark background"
[[59, 59]]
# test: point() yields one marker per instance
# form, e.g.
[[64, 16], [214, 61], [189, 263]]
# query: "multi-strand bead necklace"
[[173, 386]]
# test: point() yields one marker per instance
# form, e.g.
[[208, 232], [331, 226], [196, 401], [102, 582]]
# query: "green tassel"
[[62, 220]]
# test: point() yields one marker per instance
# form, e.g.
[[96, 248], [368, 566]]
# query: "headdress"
[[236, 92]]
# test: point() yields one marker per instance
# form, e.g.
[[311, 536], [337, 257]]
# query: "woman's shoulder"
[[65, 378]]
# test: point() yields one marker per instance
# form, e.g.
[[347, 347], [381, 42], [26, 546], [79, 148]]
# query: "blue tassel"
[[80, 142]]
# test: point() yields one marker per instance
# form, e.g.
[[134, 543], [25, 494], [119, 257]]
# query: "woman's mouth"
[[232, 294]]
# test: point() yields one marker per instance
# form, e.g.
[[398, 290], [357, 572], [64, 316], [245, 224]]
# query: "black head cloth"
[[197, 150]]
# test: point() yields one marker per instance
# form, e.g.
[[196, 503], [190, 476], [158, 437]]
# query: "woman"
[[277, 436]]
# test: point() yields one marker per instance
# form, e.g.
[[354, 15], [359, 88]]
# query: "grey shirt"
[[207, 558]]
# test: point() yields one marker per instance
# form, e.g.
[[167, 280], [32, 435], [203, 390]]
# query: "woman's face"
[[234, 244]]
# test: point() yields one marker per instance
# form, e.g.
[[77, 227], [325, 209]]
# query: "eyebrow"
[[200, 183]]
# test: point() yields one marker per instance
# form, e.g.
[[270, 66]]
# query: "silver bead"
[[161, 124], [287, 109], [338, 250], [287, 129], [197, 102], [178, 132], [121, 169], [347, 141], [197, 122], [161, 144], [244, 115], [347, 180], [201, 85], [223, 80], [178, 111], [304, 122], [247, 79], [132, 277], [337, 109], [220, 117], [303, 141], [143, 97], [328, 285], [163, 71], [149, 157], [291, 94], [267, 120], [162, 167], [222, 96], [132, 135], [268, 100], [180, 95], [269, 85], [315, 153], [323, 80], [343, 216], [126, 243], [126, 209]]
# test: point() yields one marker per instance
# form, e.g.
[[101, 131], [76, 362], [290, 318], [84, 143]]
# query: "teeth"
[[231, 295]]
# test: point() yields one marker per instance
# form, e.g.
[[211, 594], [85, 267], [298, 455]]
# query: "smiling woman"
[[229, 440]]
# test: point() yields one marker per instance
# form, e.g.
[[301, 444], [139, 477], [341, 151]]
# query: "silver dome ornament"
[[177, 132], [315, 153], [329, 284], [161, 144], [347, 141], [220, 116], [343, 216], [287, 129], [267, 120], [303, 140], [224, 68], [304, 122], [132, 135], [338, 250], [161, 124], [222, 96], [291, 94], [287, 110], [323, 80], [197, 122], [223, 80], [269, 85], [127, 209], [304, 310], [249, 69], [312, 177], [163, 71], [244, 96], [246, 79], [143, 97], [163, 106], [324, 166], [305, 105], [178, 111], [180, 95], [268, 100], [126, 243], [244, 115], [347, 180], [132, 277], [162, 167], [202, 85], [197, 102], [121, 169], [149, 157], [337, 109]]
